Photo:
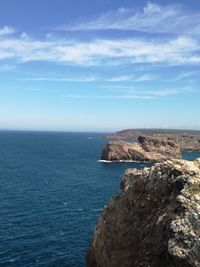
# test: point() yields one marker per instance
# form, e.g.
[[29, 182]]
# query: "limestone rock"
[[154, 221], [146, 148], [188, 140]]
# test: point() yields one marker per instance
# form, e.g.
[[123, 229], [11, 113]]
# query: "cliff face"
[[188, 139], [154, 221], [144, 149], [188, 143]]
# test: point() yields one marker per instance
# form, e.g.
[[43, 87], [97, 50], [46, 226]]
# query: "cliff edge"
[[146, 148], [154, 221]]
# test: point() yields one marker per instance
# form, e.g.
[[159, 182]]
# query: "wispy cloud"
[[186, 74], [62, 79], [151, 92], [145, 77], [129, 93], [120, 78], [153, 18], [114, 97], [180, 50], [169, 91], [86, 78], [6, 30]]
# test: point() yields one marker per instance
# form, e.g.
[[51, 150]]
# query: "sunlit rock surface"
[[144, 149], [154, 221]]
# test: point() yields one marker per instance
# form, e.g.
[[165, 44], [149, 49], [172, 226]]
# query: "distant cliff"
[[132, 134], [188, 140], [146, 148], [154, 221]]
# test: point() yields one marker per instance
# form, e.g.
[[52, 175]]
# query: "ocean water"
[[52, 190]]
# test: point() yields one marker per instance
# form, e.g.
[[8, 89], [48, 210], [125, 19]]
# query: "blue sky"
[[100, 65]]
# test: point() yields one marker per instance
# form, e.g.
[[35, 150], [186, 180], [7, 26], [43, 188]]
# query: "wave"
[[100, 209], [14, 259], [143, 163], [104, 161], [79, 210], [117, 161]]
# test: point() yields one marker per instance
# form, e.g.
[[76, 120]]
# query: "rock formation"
[[188, 140], [146, 148], [154, 221]]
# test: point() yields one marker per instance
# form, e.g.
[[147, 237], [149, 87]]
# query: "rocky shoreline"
[[154, 221], [133, 134], [155, 147], [144, 149]]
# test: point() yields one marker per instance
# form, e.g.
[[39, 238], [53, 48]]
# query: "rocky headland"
[[187, 142], [154, 221], [133, 134], [146, 148], [154, 146]]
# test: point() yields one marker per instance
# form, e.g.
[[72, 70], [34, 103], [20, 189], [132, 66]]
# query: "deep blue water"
[[52, 190]]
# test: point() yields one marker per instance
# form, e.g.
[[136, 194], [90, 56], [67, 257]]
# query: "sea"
[[52, 191]]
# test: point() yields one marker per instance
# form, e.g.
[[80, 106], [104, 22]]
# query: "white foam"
[[128, 160], [104, 161], [98, 209], [122, 161], [79, 210], [116, 161], [14, 259]]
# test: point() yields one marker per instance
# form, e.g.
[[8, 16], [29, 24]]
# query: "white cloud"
[[169, 91], [181, 50], [186, 74], [152, 93], [145, 77], [152, 18], [121, 78], [24, 36], [118, 88], [136, 94], [62, 79], [114, 97], [6, 30], [90, 78]]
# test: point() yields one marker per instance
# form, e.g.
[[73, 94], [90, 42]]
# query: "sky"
[[99, 65]]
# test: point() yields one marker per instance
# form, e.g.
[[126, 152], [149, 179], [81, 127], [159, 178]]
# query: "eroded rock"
[[188, 140], [146, 148], [154, 221]]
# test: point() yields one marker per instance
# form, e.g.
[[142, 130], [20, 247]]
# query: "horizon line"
[[98, 131]]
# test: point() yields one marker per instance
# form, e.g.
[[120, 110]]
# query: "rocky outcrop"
[[188, 140], [144, 149], [154, 221]]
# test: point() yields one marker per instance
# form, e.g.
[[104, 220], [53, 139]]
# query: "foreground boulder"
[[154, 221], [146, 148]]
